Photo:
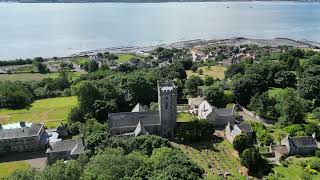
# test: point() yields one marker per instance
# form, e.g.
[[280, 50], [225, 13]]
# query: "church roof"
[[19, 130], [140, 130], [138, 108], [224, 112]]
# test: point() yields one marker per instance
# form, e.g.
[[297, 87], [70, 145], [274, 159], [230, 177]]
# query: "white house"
[[216, 116]]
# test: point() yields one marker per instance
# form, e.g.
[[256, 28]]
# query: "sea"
[[57, 29]]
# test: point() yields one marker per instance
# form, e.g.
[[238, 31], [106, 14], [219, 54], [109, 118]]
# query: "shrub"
[[317, 153]]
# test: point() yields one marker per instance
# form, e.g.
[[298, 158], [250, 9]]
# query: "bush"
[[317, 153]]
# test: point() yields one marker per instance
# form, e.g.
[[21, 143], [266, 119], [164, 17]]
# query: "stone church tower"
[[167, 97]]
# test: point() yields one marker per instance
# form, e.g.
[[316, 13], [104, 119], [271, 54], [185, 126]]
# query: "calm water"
[[28, 30]]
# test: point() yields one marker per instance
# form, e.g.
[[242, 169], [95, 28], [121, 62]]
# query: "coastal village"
[[212, 107]]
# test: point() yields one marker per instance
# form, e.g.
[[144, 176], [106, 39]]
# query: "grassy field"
[[214, 158], [124, 57], [32, 76], [213, 71], [7, 168], [185, 117], [51, 111], [295, 170]]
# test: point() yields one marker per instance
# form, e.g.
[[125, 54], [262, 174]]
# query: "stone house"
[[22, 137], [162, 123], [234, 130], [64, 150], [217, 116], [290, 146], [302, 145]]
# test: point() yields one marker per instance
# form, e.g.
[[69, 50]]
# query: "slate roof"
[[224, 112], [246, 128], [138, 108], [19, 132], [131, 119], [72, 146], [302, 141]]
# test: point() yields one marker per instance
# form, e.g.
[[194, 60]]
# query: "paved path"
[[245, 116]]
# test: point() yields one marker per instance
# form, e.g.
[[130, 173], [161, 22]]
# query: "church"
[[139, 121]]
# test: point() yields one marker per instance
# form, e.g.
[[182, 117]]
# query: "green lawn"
[[295, 170], [213, 71], [51, 111], [32, 76], [124, 57], [274, 92], [185, 117], [7, 168], [220, 156]]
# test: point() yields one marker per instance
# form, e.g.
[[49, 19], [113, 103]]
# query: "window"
[[166, 106]]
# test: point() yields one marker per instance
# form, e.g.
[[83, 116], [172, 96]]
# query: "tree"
[[192, 84], [290, 107], [14, 95], [75, 115], [91, 66], [41, 67], [241, 142], [140, 90], [194, 68], [244, 87], [236, 68], [285, 79], [208, 81], [87, 94], [252, 159], [264, 106], [215, 95], [195, 130], [312, 128], [103, 108]]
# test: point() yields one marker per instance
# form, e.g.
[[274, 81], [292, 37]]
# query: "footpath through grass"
[[216, 72], [6, 168], [51, 111]]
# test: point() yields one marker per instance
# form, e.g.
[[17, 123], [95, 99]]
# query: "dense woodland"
[[295, 72]]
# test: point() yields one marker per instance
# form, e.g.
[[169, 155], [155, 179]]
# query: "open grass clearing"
[[50, 111], [295, 170], [216, 72], [123, 58], [6, 168], [185, 117]]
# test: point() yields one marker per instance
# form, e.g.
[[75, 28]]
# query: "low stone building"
[[291, 146], [234, 130], [22, 137], [64, 150], [217, 116], [302, 145]]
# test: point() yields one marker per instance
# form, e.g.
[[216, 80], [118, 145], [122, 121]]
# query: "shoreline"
[[194, 43], [236, 41]]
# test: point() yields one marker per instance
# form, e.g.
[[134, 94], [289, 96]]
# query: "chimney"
[[314, 135], [22, 124]]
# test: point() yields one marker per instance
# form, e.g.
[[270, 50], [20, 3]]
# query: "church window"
[[166, 107]]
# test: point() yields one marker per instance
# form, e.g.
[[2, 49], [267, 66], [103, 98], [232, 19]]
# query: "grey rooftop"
[[26, 130]]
